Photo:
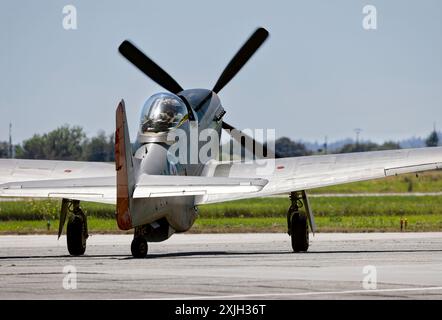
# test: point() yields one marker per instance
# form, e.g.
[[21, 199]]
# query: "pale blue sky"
[[320, 73]]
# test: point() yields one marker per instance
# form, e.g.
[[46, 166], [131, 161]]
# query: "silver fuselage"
[[151, 157]]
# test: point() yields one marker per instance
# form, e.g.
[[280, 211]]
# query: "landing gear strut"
[[76, 232], [297, 224]]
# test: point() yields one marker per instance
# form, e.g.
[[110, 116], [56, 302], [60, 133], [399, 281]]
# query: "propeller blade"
[[269, 153], [148, 67], [241, 58]]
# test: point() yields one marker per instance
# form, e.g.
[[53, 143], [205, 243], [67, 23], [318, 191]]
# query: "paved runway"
[[226, 266]]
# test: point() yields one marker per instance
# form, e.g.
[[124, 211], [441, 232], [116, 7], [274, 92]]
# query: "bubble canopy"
[[161, 113]]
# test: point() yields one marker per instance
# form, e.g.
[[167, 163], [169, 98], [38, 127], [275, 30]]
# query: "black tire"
[[76, 235], [139, 247], [299, 233]]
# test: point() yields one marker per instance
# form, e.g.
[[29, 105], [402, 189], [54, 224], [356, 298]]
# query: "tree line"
[[71, 143], [64, 143], [285, 147]]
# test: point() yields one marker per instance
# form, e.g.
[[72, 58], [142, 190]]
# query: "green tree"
[[389, 145], [432, 140], [33, 148], [99, 148], [368, 146], [4, 146], [63, 143], [288, 148], [18, 150]]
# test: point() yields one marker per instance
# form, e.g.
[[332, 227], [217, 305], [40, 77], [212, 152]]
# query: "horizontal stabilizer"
[[104, 189], [168, 186]]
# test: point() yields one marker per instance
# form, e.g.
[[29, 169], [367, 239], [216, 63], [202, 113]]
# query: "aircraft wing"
[[303, 173], [79, 180], [25, 170], [76, 180], [100, 189]]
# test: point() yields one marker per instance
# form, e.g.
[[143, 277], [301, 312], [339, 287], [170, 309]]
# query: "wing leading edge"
[[303, 173]]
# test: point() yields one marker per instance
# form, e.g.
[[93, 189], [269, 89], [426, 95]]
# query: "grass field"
[[250, 208], [333, 214], [430, 181], [376, 223]]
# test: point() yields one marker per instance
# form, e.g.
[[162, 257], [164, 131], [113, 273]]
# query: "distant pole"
[[358, 131], [325, 145], [10, 141]]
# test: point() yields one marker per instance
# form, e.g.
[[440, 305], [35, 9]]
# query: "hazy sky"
[[320, 73]]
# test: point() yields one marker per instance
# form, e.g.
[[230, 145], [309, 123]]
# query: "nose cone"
[[199, 98]]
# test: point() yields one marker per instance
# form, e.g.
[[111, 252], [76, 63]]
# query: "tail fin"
[[125, 169]]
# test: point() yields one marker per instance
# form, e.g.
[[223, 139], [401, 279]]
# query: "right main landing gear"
[[297, 224]]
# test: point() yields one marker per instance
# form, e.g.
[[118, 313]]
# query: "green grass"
[[430, 181], [328, 206], [378, 223], [49, 209], [325, 224], [257, 208], [95, 225], [333, 214]]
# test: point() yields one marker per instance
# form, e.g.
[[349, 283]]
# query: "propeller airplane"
[[157, 196]]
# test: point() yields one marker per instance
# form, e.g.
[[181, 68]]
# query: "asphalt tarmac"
[[225, 266]]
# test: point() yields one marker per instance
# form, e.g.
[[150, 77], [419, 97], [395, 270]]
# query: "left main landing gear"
[[76, 231], [297, 224]]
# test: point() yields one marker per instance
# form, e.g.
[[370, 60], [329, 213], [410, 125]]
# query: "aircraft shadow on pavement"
[[215, 254], [65, 256]]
